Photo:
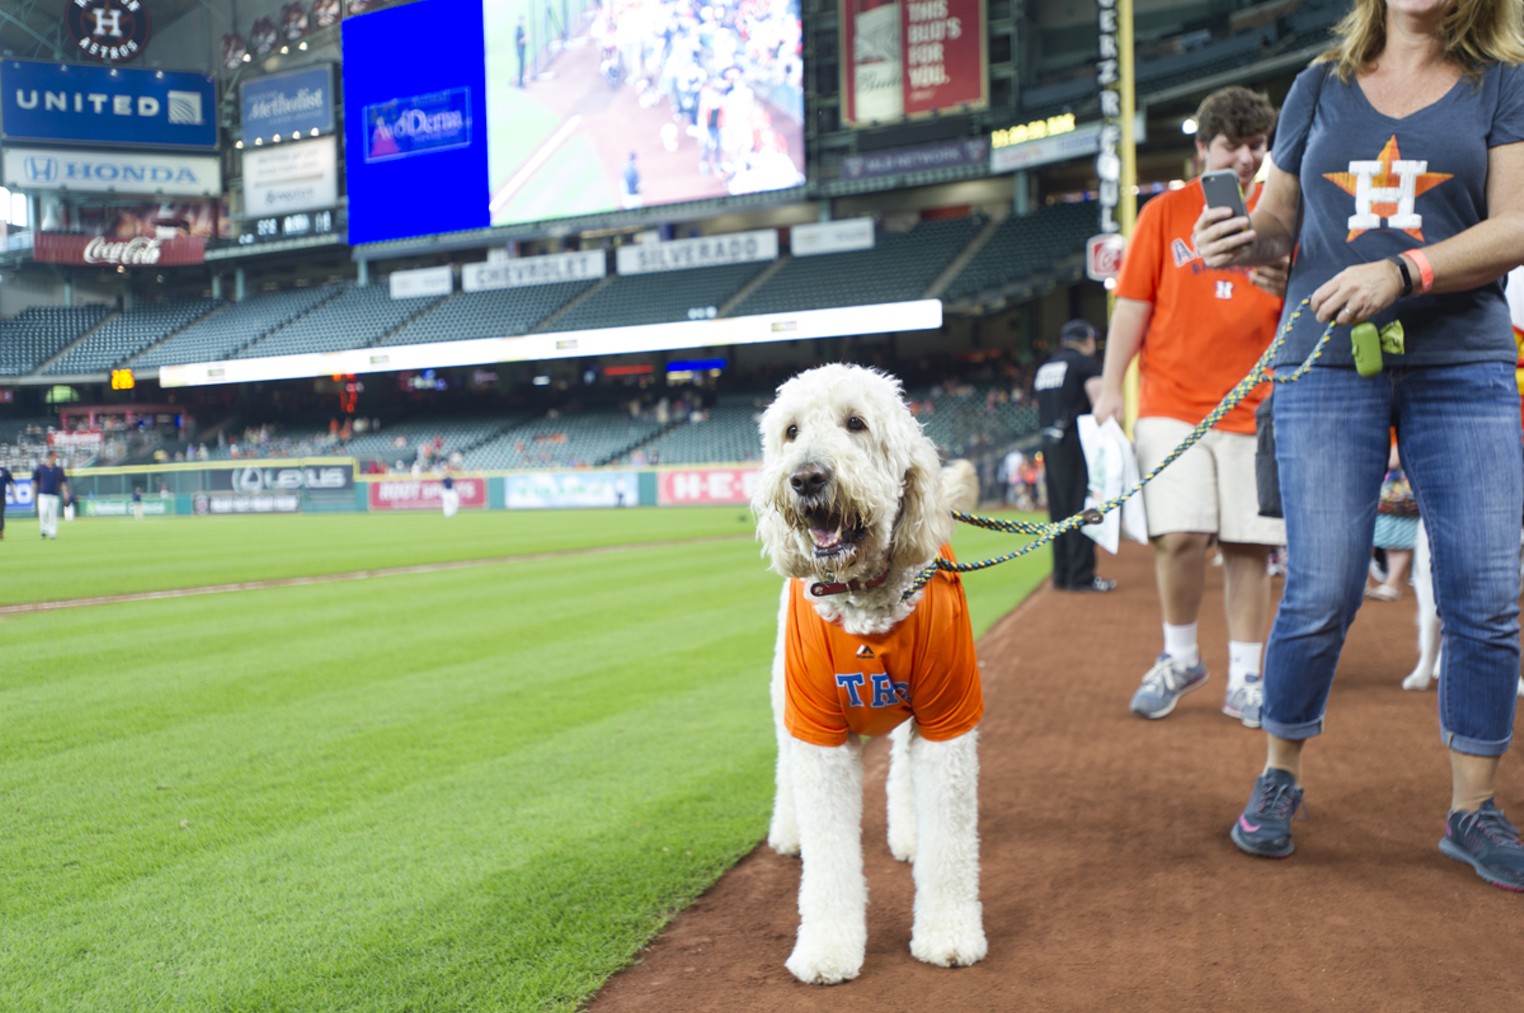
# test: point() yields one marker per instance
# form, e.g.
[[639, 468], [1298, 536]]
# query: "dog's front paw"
[[953, 941], [1420, 680], [902, 843], [826, 961]]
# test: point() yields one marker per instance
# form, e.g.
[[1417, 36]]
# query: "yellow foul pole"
[[1127, 204]]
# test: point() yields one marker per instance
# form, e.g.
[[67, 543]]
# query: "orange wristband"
[[1425, 270]]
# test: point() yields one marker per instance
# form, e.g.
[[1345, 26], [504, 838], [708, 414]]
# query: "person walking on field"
[[49, 487], [1402, 156], [1065, 386], [1196, 332]]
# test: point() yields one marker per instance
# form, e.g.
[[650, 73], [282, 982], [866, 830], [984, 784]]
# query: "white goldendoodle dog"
[[851, 505]]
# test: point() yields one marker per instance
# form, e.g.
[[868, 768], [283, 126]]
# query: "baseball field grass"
[[477, 782]]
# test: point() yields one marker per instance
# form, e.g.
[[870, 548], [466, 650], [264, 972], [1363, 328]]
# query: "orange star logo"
[[1382, 191]]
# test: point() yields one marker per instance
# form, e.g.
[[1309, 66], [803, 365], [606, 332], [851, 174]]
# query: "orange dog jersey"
[[924, 668]]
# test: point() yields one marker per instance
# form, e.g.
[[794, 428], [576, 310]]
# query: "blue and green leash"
[[1390, 338]]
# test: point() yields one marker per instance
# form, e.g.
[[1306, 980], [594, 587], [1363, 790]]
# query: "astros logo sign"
[[111, 31]]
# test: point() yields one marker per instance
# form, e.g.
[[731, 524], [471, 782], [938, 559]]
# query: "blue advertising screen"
[[415, 115], [80, 104], [465, 114]]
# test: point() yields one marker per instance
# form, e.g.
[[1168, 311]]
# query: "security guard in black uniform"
[[1066, 386]]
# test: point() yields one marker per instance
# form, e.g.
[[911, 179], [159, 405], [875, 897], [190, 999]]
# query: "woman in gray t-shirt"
[[1398, 175]]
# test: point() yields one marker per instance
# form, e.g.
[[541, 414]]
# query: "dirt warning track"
[[1108, 876]]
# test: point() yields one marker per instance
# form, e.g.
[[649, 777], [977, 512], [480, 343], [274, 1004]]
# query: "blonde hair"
[[1477, 33]]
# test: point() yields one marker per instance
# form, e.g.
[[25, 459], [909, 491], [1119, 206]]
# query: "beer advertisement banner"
[[904, 59], [424, 493]]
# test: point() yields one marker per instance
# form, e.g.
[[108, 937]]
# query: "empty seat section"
[[572, 441], [38, 333], [726, 434], [220, 334], [125, 334], [495, 314], [1026, 245], [668, 297], [357, 317], [899, 268]]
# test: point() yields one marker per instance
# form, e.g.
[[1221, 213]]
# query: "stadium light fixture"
[[1188, 126]]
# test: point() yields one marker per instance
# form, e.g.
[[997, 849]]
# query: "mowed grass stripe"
[[101, 556], [474, 789]]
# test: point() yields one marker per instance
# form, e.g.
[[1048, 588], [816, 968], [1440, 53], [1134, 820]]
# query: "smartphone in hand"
[[1221, 189]]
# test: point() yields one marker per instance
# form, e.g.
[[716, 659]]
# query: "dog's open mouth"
[[834, 534]]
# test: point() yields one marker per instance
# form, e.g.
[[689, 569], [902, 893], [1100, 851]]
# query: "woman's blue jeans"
[[1459, 436]]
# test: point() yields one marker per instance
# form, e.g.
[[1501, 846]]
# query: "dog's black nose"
[[809, 479]]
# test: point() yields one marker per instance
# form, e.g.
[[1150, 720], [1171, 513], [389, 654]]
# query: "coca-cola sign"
[[139, 251]]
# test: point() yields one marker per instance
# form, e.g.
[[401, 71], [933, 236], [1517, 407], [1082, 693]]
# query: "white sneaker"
[[1246, 702]]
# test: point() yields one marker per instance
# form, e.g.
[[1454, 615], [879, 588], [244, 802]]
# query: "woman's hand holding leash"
[[1357, 293]]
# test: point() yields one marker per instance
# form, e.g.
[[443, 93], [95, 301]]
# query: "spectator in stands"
[[1065, 387], [49, 487], [1196, 332], [1451, 76], [7, 487]]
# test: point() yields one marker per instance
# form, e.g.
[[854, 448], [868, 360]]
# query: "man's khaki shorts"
[[1210, 488]]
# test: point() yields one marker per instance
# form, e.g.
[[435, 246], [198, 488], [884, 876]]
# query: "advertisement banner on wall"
[[554, 490], [18, 495], [122, 506], [140, 251], [422, 282], [107, 105], [690, 254], [706, 486], [123, 172], [288, 105], [903, 59], [919, 158], [831, 237], [290, 177], [424, 493], [293, 478], [215, 504], [582, 265]]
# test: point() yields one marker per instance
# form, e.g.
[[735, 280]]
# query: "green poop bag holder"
[[1367, 344]]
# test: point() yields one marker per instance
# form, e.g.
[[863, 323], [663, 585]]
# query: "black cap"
[[1076, 331]]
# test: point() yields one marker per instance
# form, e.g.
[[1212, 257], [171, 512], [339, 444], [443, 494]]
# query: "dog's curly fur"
[[851, 488]]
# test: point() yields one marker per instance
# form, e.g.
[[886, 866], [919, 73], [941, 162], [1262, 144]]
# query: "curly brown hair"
[[1235, 113]]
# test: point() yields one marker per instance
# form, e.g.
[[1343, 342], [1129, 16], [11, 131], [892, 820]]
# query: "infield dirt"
[[1108, 877]]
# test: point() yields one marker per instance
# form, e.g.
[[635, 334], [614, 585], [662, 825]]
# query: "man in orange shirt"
[[1197, 332]]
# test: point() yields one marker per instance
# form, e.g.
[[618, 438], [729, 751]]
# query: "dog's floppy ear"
[[925, 522]]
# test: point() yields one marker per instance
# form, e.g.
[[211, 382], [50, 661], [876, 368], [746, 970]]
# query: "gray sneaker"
[[1245, 702], [1164, 685]]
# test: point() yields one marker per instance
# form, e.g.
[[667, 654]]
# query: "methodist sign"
[[296, 104], [106, 105], [33, 169]]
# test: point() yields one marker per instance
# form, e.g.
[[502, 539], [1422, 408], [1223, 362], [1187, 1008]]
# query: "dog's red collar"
[[821, 588]]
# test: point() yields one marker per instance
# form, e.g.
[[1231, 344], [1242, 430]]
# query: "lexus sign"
[[325, 477]]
